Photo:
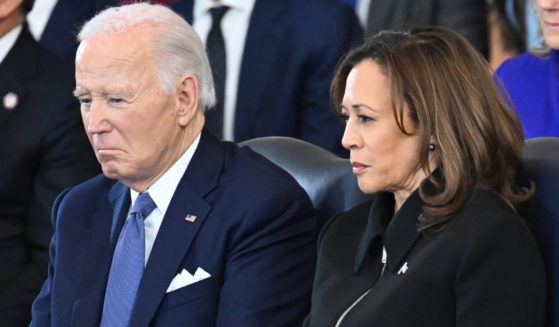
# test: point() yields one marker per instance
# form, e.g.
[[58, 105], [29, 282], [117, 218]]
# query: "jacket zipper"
[[339, 322]]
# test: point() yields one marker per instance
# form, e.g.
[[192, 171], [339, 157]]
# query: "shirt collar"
[[163, 189], [8, 41], [203, 6]]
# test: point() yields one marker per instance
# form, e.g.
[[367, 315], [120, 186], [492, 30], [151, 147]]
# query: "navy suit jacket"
[[290, 53], [254, 234], [43, 150], [65, 21]]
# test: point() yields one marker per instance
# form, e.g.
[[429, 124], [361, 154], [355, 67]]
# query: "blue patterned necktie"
[[127, 267]]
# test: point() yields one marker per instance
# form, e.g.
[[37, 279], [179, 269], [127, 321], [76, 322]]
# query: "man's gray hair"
[[178, 49]]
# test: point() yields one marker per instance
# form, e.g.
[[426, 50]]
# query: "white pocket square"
[[185, 278]]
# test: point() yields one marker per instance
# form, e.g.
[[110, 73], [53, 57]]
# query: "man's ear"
[[188, 92]]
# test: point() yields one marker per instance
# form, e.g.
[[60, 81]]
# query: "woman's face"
[[383, 158], [548, 11]]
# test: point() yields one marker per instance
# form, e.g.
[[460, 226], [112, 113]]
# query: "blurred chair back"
[[332, 187], [541, 160], [327, 178]]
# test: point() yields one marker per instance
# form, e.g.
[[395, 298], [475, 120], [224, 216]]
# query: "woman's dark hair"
[[444, 85]]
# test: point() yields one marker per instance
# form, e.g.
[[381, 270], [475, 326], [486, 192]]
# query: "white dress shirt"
[[362, 11], [7, 42], [39, 16], [161, 193], [234, 27]]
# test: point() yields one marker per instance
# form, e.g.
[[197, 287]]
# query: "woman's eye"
[[364, 119], [344, 118]]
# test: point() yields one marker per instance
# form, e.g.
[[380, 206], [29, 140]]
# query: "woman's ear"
[[188, 92]]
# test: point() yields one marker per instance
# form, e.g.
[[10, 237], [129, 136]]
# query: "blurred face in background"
[[383, 158], [548, 11]]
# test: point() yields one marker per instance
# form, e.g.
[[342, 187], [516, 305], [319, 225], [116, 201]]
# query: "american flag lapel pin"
[[190, 218]]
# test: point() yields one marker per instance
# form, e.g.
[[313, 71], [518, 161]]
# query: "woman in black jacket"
[[442, 243]]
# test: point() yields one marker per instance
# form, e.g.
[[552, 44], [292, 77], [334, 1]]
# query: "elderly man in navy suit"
[[181, 229]]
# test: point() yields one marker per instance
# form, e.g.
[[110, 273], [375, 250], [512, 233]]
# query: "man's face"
[[131, 123]]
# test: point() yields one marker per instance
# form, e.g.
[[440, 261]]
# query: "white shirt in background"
[[39, 16], [234, 27]]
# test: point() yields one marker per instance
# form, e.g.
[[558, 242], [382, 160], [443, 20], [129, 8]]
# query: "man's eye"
[[116, 101], [84, 101]]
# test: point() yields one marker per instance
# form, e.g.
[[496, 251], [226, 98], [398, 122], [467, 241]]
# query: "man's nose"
[[95, 119]]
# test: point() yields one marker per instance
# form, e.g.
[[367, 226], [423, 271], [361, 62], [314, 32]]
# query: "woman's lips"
[[358, 167]]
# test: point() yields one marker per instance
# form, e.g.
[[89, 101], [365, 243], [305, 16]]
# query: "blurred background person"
[[467, 17], [273, 61], [442, 242], [532, 79], [43, 151], [58, 33]]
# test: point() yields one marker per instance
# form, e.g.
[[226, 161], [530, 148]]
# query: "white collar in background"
[[8, 41], [203, 6]]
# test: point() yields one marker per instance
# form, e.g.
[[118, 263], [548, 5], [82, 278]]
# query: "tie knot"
[[217, 14], [143, 205]]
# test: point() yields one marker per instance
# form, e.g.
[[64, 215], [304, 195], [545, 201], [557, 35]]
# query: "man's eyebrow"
[[77, 92]]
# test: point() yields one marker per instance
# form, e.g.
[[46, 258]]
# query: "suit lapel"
[[261, 48], [176, 233], [368, 249], [19, 65], [105, 227], [401, 234]]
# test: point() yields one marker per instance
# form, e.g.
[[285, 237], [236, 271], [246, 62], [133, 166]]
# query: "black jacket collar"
[[398, 234]]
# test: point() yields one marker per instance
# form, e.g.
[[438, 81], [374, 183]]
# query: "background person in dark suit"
[[441, 244], [66, 18], [226, 237], [285, 62], [43, 150], [467, 17]]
